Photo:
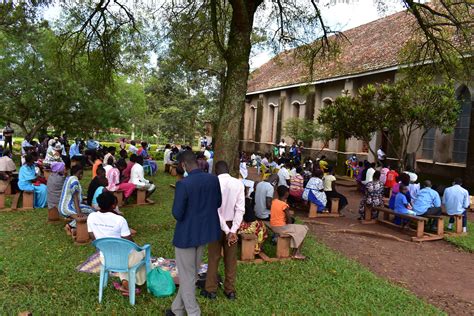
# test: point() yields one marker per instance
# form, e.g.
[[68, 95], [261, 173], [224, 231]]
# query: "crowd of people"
[[407, 196]]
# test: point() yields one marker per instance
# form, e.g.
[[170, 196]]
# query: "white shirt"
[[137, 175], [132, 149], [107, 168], [282, 146], [283, 175], [104, 225], [293, 172], [243, 170], [167, 156], [233, 203], [380, 154], [207, 154], [456, 199]]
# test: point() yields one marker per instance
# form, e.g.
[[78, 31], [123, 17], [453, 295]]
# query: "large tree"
[[298, 22]]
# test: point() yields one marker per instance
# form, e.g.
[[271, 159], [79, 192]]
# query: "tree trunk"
[[235, 86], [341, 156]]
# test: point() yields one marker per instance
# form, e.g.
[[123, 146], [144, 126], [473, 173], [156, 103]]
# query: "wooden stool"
[[82, 235], [283, 246], [313, 210], [248, 247], [173, 171], [119, 195], [5, 187], [141, 196], [335, 205], [458, 223], [46, 173], [27, 200], [53, 214], [2, 200]]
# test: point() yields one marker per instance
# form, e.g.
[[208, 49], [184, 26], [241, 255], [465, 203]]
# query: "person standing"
[[456, 201], [231, 214], [8, 134], [196, 201]]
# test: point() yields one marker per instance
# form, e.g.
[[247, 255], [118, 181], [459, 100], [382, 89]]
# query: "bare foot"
[[299, 257]]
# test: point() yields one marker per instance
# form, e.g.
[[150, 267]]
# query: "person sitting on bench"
[[329, 181], [314, 191], [27, 181], [264, 192], [456, 201], [251, 224], [55, 183], [106, 223], [113, 177], [137, 177], [402, 206], [373, 195], [428, 201], [280, 222], [94, 184], [7, 168], [70, 202], [103, 183]]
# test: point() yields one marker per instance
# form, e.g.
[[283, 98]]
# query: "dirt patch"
[[436, 271]]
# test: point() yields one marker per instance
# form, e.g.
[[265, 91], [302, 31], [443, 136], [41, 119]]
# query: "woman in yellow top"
[[323, 164], [280, 221]]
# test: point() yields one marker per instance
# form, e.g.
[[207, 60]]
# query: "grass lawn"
[[465, 242], [38, 260]]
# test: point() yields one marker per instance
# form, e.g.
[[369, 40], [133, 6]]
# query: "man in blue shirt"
[[196, 201], [427, 201], [456, 201]]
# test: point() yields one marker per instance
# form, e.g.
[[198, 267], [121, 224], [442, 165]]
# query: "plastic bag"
[[160, 283]]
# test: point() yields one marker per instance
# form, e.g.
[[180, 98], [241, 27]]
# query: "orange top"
[[277, 213], [97, 163]]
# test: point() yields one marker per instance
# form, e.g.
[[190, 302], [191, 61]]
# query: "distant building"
[[281, 89]]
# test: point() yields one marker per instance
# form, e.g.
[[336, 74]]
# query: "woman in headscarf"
[[314, 191], [70, 202], [55, 183], [27, 182]]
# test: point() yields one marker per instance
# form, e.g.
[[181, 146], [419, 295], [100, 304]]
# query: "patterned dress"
[[66, 202], [373, 196]]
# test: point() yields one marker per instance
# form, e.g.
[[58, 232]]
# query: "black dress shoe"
[[168, 312], [231, 296], [209, 295]]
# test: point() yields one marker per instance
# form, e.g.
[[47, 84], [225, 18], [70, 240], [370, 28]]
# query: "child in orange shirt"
[[280, 221]]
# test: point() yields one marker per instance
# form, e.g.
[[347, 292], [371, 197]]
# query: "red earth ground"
[[436, 271]]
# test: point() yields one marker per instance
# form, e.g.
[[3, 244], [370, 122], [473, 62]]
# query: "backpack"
[[160, 283]]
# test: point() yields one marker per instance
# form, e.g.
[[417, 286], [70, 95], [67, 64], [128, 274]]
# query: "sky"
[[339, 15]]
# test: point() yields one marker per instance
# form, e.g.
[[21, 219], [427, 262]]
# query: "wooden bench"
[[82, 235], [46, 173], [53, 214], [173, 170], [5, 187], [420, 234], [334, 212], [283, 246], [248, 247], [119, 195], [25, 198]]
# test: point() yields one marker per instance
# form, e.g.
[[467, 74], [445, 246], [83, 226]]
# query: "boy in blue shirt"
[[401, 203]]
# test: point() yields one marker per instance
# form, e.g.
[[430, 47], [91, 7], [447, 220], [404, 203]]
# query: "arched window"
[[253, 121], [295, 107], [272, 108], [327, 101], [461, 131]]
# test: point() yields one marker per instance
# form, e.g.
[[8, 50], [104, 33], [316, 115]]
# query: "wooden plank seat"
[[457, 223], [82, 235], [53, 214], [173, 171], [46, 173], [5, 187], [140, 198], [420, 234], [334, 211], [248, 247], [25, 198], [120, 197], [283, 246]]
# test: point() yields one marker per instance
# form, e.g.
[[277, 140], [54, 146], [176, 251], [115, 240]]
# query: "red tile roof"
[[368, 47]]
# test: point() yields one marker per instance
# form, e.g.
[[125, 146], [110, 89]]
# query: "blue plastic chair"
[[115, 252]]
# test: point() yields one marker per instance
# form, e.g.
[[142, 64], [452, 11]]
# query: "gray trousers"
[[188, 261]]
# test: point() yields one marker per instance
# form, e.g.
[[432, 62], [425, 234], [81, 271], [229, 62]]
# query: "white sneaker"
[[464, 229]]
